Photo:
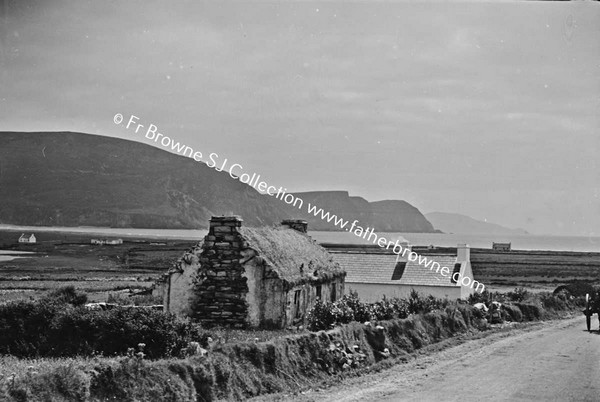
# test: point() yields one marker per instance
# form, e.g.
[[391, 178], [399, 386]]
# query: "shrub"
[[483, 297], [400, 307], [323, 316], [512, 313], [518, 295], [51, 327], [350, 308], [68, 295], [419, 305], [362, 311], [24, 326], [112, 332], [553, 302], [136, 300], [531, 312], [384, 310], [576, 289]]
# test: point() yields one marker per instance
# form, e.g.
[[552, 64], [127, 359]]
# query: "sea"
[[9, 255], [519, 242]]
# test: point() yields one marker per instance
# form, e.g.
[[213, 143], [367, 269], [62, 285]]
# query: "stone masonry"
[[221, 289], [296, 224]]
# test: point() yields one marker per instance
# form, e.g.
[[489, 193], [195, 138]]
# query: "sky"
[[485, 109]]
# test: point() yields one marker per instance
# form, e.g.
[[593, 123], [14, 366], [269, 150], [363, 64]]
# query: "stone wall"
[[220, 294]]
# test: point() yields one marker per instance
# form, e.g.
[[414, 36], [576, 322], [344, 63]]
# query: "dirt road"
[[553, 361]]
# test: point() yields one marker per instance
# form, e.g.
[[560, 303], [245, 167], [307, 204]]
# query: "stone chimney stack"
[[221, 291], [296, 224], [224, 225], [463, 253]]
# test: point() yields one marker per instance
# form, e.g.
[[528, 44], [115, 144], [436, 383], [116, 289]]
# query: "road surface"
[[554, 361]]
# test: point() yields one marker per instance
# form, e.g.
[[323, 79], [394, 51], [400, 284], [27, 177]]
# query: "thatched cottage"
[[257, 277]]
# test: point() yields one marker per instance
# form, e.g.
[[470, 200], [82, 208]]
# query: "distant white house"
[[110, 242], [501, 246], [27, 238]]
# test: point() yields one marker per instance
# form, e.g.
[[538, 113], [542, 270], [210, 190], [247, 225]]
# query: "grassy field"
[[62, 259], [537, 270]]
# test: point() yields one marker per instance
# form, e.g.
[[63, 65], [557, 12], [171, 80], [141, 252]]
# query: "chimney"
[[463, 253], [220, 295], [402, 255], [224, 225], [296, 224]]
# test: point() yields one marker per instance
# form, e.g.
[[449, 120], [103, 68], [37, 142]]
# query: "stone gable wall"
[[221, 289]]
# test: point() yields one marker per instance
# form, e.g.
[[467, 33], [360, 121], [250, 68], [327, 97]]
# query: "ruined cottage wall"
[[273, 303], [266, 296], [179, 297], [300, 299], [253, 272], [178, 286]]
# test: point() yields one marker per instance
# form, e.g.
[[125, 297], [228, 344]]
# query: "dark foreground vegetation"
[[59, 325], [155, 361]]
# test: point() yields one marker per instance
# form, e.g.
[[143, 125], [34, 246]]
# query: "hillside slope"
[[74, 179], [383, 216], [462, 224]]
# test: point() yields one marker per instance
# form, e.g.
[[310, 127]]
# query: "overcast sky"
[[485, 109]]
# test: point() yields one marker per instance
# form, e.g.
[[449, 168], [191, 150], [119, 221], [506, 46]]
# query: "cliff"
[[383, 216], [462, 224]]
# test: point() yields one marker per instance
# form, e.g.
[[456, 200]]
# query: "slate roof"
[[378, 268]]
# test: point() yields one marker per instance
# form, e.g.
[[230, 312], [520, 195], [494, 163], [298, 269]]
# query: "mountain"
[[75, 179], [462, 224], [383, 216]]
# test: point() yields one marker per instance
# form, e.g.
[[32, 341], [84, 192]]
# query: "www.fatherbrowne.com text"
[[236, 171]]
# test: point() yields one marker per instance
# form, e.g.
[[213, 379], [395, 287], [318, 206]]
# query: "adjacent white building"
[[374, 272]]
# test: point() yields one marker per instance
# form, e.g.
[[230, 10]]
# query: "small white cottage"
[[27, 238]]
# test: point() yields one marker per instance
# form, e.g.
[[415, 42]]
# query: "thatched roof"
[[292, 255]]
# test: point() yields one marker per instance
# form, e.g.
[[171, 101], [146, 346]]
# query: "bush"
[[66, 295], [518, 295], [419, 305], [24, 326], [384, 310], [512, 313], [55, 327], [350, 308], [576, 289], [552, 302], [531, 312], [362, 311], [136, 300], [482, 297], [327, 315]]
